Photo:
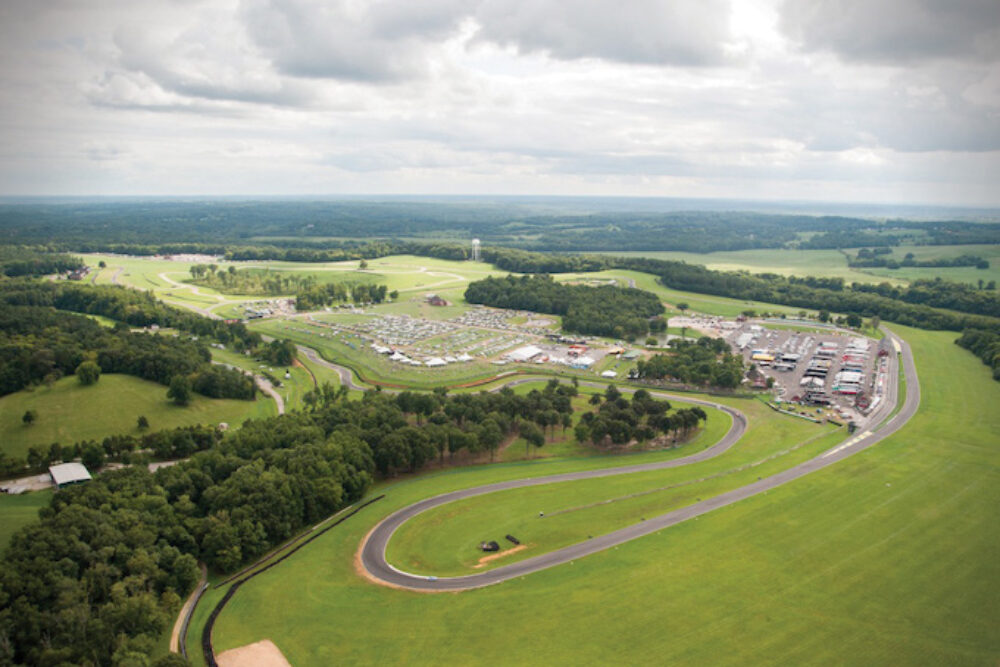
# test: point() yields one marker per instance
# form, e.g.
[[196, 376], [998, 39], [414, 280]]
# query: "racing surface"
[[373, 547]]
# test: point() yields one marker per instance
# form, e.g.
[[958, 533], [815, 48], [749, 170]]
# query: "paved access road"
[[373, 548]]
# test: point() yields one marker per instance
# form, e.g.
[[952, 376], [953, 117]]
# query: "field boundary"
[[206, 634]]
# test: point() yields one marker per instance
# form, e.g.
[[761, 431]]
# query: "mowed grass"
[[889, 557], [19, 511], [444, 541], [69, 412]]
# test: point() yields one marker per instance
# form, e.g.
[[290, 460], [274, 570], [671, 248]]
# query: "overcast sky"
[[835, 100]]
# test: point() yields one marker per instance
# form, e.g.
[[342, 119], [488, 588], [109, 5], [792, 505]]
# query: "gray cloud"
[[371, 42], [654, 32], [895, 30]]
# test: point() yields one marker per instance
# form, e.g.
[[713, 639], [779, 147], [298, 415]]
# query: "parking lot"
[[824, 371]]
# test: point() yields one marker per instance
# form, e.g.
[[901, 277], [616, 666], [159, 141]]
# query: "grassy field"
[[886, 558], [820, 263], [18, 511], [69, 412], [444, 541], [964, 274]]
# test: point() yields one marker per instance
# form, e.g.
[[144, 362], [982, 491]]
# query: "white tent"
[[524, 353]]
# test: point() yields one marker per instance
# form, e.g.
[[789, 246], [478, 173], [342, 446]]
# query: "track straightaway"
[[372, 550]]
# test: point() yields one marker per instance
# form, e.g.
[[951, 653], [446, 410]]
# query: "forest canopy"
[[607, 310]]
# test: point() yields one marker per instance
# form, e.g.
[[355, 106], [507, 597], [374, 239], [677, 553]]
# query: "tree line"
[[985, 345], [607, 310], [26, 261], [132, 307], [39, 344], [879, 257], [704, 362], [772, 288], [939, 293]]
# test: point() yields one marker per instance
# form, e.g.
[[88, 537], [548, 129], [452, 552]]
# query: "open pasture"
[[885, 558], [69, 412]]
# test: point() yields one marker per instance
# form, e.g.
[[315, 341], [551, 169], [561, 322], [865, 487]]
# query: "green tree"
[[394, 294], [824, 316], [651, 341], [683, 306], [533, 435], [853, 320], [92, 456], [29, 417], [362, 265], [88, 373], [180, 389], [142, 423], [490, 436], [102, 264]]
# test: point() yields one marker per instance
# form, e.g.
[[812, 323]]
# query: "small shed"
[[65, 474]]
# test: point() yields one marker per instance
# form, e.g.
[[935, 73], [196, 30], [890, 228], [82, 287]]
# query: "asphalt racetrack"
[[374, 546]]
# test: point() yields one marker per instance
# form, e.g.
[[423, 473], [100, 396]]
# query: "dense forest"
[[132, 307], [99, 579], [619, 421], [22, 261], [607, 310], [705, 362], [40, 344], [534, 224]]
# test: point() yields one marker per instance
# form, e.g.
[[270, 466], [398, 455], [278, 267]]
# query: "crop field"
[[885, 558], [69, 412], [19, 511]]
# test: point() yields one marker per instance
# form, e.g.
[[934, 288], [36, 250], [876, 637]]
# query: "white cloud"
[[493, 96]]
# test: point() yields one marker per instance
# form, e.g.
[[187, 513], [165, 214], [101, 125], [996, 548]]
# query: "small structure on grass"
[[66, 474], [489, 546], [435, 300]]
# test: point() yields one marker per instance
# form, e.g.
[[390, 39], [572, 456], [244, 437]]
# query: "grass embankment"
[[444, 541], [888, 557], [292, 388], [19, 511], [69, 412]]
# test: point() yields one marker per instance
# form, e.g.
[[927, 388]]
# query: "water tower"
[[475, 250]]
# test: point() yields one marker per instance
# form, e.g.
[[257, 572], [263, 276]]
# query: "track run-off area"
[[880, 425]]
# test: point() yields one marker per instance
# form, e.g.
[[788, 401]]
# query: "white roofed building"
[[65, 474], [526, 353]]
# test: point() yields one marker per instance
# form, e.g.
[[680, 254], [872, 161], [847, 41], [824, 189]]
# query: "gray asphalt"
[[373, 548]]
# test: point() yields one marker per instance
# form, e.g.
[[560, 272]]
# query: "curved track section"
[[374, 546]]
